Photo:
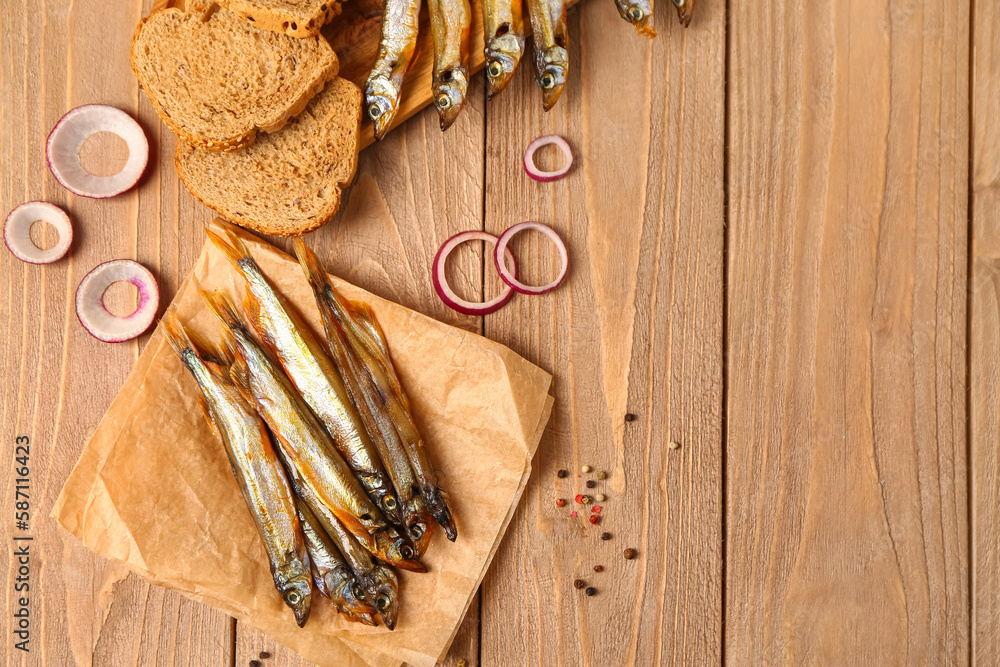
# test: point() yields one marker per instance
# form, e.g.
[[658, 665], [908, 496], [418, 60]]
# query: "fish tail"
[[233, 250], [239, 375], [176, 336], [310, 264], [223, 307]]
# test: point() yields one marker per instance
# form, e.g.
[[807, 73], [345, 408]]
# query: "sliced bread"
[[298, 18], [289, 182], [215, 79]]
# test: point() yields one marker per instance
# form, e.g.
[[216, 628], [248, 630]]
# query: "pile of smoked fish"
[[504, 37], [320, 438]]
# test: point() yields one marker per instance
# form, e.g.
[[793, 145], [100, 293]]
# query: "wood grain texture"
[[55, 380], [637, 327], [847, 525], [984, 334]]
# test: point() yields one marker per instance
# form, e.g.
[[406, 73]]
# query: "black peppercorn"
[[630, 554], [629, 417], [579, 583], [591, 483], [605, 536], [561, 474], [591, 590], [264, 655]]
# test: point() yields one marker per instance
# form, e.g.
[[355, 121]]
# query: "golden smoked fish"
[[331, 574], [378, 582], [548, 25], [639, 13], [450, 23], [400, 23], [352, 327], [503, 37], [303, 444], [260, 476], [288, 337]]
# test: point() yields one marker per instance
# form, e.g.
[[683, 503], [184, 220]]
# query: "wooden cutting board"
[[355, 34]]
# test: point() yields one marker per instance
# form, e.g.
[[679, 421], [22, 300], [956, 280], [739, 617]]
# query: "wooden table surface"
[[784, 225]]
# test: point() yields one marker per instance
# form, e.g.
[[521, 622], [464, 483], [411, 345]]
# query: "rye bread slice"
[[286, 183], [215, 79], [297, 18]]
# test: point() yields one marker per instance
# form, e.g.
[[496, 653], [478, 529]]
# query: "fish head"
[[294, 582], [639, 13], [449, 95], [552, 75], [503, 53], [351, 600], [401, 552], [419, 528], [382, 591], [381, 97]]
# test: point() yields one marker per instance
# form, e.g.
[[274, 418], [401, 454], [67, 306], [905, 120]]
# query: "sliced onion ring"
[[511, 278], [546, 176], [65, 140], [17, 232], [448, 295], [94, 315]]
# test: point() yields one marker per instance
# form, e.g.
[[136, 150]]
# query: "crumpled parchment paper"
[[153, 487]]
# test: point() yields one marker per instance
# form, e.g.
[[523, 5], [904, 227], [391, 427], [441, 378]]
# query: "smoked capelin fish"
[[260, 477], [503, 38], [286, 335], [639, 13], [450, 22], [551, 37], [378, 582], [303, 444], [361, 352], [331, 574], [400, 23]]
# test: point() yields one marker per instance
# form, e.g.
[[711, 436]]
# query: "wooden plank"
[[636, 328], [984, 335], [412, 191], [55, 380], [847, 527]]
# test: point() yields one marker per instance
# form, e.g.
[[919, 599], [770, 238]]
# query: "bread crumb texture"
[[215, 79], [288, 182]]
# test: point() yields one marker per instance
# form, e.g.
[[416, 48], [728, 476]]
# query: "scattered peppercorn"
[[605, 536], [591, 483], [264, 655], [591, 591], [598, 568], [629, 417], [596, 509], [256, 663], [674, 444], [579, 499], [630, 554], [600, 497], [560, 502], [579, 583], [561, 474], [594, 519], [585, 469], [573, 514], [586, 500], [600, 474], [462, 662]]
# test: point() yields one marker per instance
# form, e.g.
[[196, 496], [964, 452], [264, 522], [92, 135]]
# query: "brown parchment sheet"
[[153, 487]]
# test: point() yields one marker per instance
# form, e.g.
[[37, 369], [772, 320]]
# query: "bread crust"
[[293, 26], [235, 142]]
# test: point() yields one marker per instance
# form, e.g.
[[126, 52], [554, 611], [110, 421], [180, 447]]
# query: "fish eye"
[[374, 111], [382, 601], [416, 531], [496, 69], [406, 552], [358, 593], [293, 597], [635, 13], [443, 101], [389, 503], [548, 81]]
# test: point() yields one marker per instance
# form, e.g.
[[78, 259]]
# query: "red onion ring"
[[448, 295], [546, 176], [17, 232], [94, 315], [62, 150], [511, 279]]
